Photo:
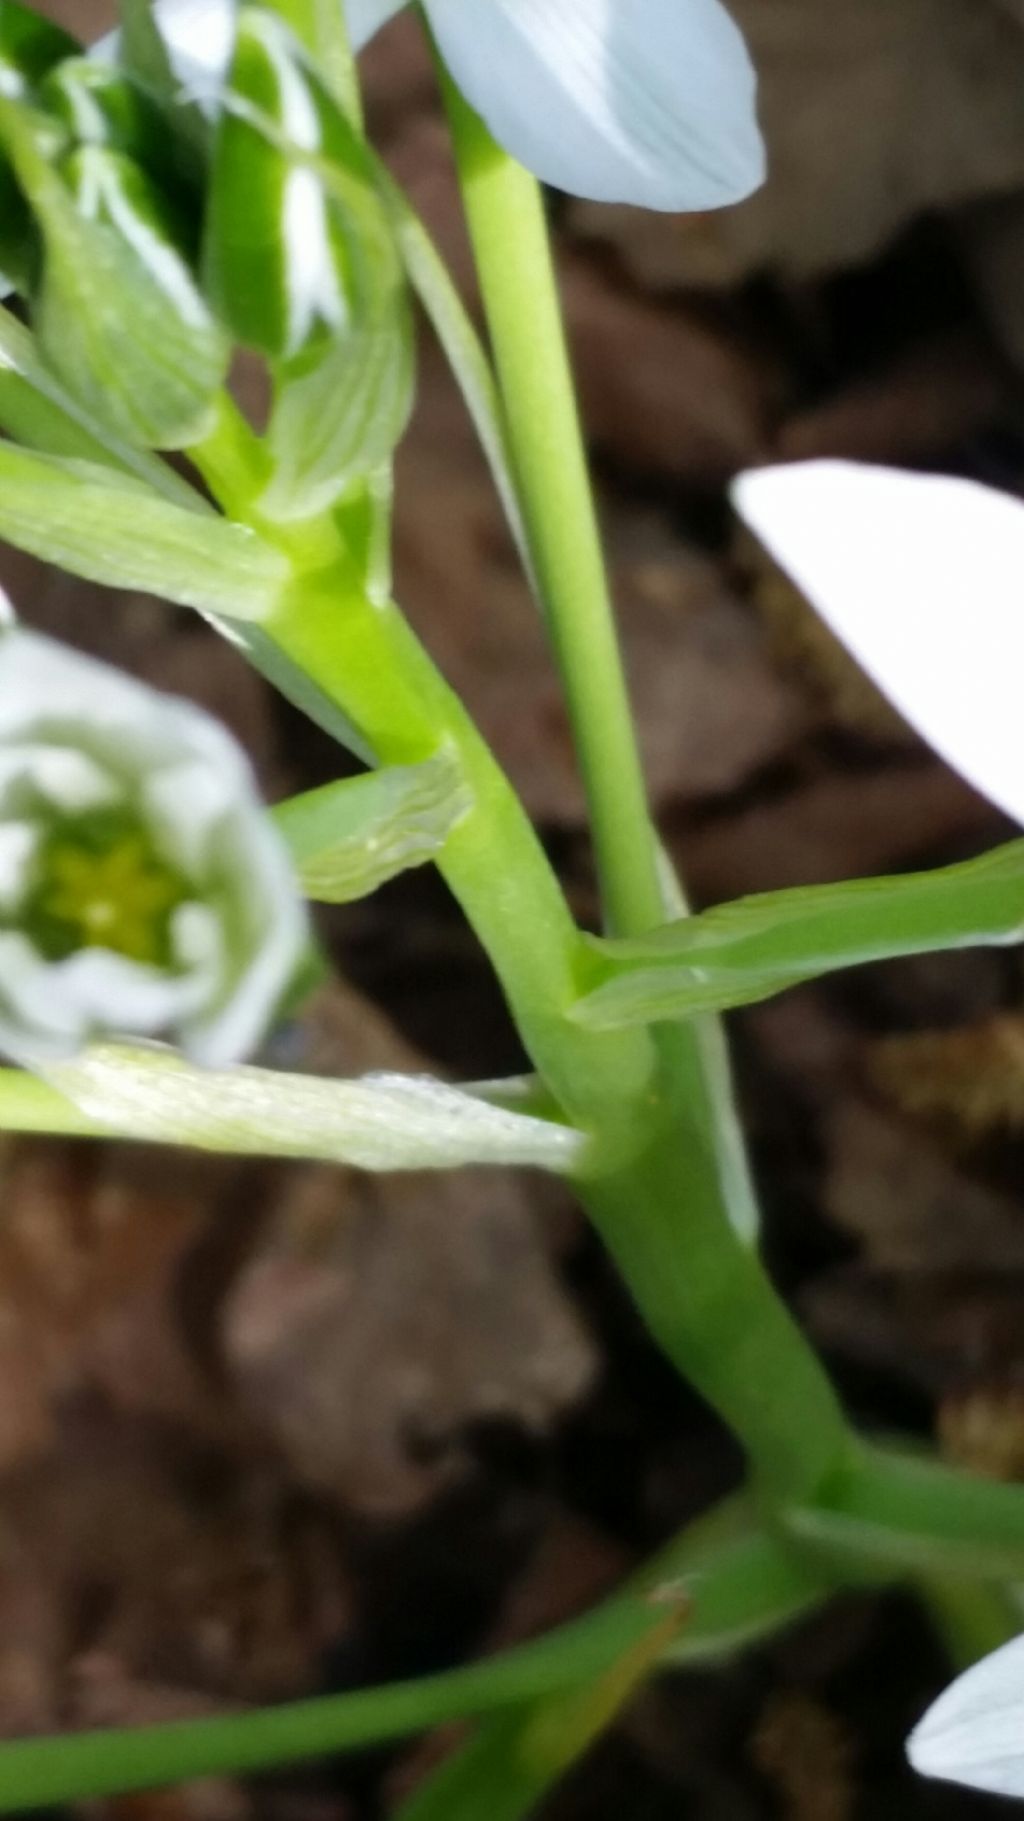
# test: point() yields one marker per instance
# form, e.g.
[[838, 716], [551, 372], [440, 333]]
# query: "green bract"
[[294, 230], [111, 527], [143, 890], [301, 261], [29, 48], [349, 838], [118, 313], [99, 106]]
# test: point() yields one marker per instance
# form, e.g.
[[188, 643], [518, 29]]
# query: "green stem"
[[366, 659], [672, 1219], [505, 214], [658, 1203], [744, 1584]]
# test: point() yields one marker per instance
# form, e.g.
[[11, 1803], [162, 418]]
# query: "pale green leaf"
[[349, 838], [118, 314], [37, 410], [378, 1122], [109, 528]]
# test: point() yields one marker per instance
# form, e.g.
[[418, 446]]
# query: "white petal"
[[73, 732], [922, 577], [643, 101], [19, 844], [198, 35], [55, 698], [33, 775], [186, 804], [364, 17], [35, 1018], [112, 992], [229, 1027], [974, 1733]]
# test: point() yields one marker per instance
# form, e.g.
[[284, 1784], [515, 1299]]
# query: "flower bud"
[[291, 261], [143, 889]]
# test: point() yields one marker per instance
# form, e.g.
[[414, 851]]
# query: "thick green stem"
[[657, 1203], [668, 1220]]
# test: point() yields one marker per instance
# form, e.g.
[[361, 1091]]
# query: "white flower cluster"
[[642, 101], [143, 890]]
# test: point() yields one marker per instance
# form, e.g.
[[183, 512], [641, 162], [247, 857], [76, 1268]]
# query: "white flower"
[[642, 101], [974, 1732], [143, 889], [922, 577]]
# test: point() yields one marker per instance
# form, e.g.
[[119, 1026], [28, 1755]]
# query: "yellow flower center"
[[104, 887]]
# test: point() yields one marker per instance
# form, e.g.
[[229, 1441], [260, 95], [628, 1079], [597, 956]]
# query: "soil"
[[270, 1430]]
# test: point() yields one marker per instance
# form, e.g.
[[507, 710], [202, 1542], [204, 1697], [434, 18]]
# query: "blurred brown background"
[[269, 1430]]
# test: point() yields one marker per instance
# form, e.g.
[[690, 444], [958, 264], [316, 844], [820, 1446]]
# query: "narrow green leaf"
[[37, 410], [516, 1757], [453, 326], [900, 1512], [30, 46], [109, 528], [349, 838], [757, 946], [40, 1773]]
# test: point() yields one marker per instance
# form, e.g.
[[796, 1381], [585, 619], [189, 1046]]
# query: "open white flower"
[[143, 890], [642, 101], [974, 1732], [922, 578]]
